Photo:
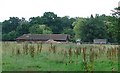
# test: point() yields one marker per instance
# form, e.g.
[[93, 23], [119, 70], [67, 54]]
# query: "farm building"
[[100, 41], [43, 37]]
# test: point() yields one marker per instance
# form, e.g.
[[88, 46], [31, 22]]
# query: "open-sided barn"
[[43, 37]]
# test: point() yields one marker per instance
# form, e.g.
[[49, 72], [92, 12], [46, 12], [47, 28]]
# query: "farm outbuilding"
[[100, 41], [43, 37]]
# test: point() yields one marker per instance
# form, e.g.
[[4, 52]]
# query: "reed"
[[32, 51], [91, 59], [50, 48], [91, 55], [77, 52], [84, 54], [84, 60], [13, 51], [39, 48], [18, 52], [54, 49], [70, 52], [25, 48], [65, 53]]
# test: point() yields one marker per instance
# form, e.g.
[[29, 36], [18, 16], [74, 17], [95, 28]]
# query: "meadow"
[[59, 57]]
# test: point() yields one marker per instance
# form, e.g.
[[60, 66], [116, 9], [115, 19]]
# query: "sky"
[[72, 8]]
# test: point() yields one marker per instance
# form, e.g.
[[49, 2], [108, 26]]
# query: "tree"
[[40, 29], [5, 37], [51, 20], [11, 24], [47, 32], [93, 29], [110, 23], [70, 32], [35, 29], [10, 36], [35, 20], [45, 29], [116, 13], [89, 29], [23, 29], [77, 27], [0, 31], [66, 22]]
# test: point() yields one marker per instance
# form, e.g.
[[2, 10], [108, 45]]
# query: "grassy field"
[[58, 57]]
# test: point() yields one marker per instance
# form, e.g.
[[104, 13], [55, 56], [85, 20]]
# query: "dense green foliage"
[[86, 29], [117, 13]]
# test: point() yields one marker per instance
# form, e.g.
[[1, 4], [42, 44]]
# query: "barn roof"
[[43, 37]]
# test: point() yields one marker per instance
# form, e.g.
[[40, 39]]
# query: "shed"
[[100, 41]]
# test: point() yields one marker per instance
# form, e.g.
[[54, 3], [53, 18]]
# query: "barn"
[[100, 41], [43, 37]]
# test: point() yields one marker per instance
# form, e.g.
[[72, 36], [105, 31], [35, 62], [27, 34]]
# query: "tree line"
[[86, 29]]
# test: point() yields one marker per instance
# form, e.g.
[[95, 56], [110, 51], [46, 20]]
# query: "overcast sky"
[[72, 8]]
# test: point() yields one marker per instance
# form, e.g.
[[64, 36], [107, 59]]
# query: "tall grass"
[[32, 51], [85, 56]]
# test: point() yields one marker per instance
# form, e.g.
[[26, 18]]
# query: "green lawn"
[[59, 61]]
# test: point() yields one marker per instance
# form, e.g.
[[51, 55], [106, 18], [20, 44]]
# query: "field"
[[58, 57]]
